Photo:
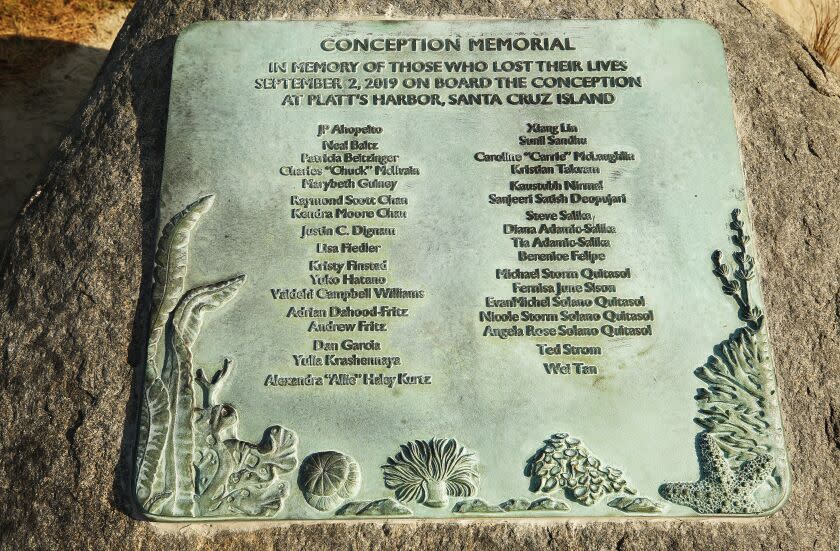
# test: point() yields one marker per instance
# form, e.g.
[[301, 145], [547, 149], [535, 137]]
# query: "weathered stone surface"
[[75, 291]]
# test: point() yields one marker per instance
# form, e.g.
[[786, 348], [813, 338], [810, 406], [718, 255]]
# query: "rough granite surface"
[[75, 282]]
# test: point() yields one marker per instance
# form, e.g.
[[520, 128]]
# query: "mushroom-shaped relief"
[[430, 471], [515, 504], [636, 505], [476, 505], [564, 462], [388, 507], [328, 478], [548, 503]]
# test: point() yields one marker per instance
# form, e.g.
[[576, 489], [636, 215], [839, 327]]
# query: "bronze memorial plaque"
[[455, 269]]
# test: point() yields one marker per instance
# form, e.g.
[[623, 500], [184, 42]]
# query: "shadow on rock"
[[150, 73], [42, 83]]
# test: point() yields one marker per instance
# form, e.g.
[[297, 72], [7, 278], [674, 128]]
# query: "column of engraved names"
[[348, 205], [565, 288]]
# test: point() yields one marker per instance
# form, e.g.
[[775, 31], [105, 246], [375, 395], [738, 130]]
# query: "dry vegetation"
[[825, 36], [33, 32]]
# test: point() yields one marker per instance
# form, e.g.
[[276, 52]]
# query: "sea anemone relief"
[[432, 471]]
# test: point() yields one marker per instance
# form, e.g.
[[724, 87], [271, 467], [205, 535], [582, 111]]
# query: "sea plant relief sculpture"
[[740, 447], [564, 463], [190, 461], [432, 471]]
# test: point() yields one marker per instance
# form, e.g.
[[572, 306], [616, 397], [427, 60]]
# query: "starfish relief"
[[721, 489]]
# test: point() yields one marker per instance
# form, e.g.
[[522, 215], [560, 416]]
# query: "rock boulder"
[[75, 282]]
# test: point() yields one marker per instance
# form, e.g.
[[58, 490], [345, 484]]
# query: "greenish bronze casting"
[[739, 445], [190, 461], [455, 269]]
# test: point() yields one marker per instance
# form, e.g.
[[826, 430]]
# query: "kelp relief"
[[190, 461]]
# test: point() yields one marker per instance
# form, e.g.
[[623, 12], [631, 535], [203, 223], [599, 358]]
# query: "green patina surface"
[[503, 232]]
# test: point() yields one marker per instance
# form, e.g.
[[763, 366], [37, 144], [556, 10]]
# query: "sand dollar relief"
[[328, 478]]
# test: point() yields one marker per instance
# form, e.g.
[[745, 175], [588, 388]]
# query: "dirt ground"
[[796, 13], [35, 111]]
